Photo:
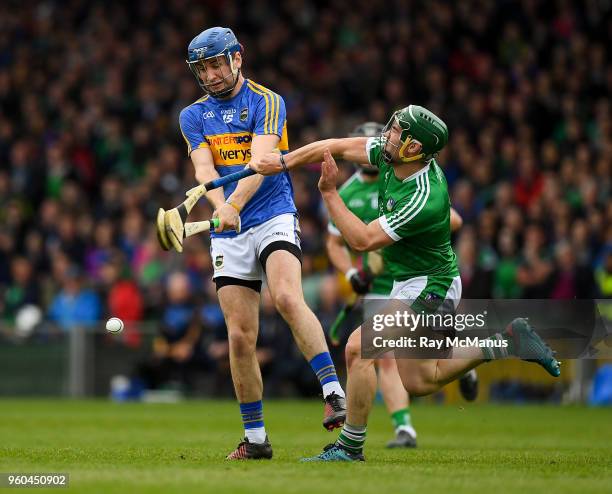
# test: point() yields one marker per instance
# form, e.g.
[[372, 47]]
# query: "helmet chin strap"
[[408, 159], [412, 158]]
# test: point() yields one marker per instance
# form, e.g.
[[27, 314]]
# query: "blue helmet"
[[212, 43]]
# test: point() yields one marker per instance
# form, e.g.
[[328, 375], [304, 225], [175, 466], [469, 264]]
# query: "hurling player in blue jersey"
[[238, 121]]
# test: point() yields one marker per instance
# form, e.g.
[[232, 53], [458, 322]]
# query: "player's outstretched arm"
[[359, 236], [349, 149], [246, 188]]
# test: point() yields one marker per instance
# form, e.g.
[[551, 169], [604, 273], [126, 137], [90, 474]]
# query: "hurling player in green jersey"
[[360, 194], [413, 230]]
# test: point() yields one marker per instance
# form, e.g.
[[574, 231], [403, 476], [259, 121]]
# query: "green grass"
[[108, 447]]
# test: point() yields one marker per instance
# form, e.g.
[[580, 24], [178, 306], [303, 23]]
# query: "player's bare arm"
[[340, 258], [338, 254], [456, 221], [350, 149], [359, 236], [205, 171]]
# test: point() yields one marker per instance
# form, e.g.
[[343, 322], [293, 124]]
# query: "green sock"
[[401, 417], [352, 438]]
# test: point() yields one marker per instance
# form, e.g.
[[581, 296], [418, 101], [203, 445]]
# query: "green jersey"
[[415, 212], [361, 198]]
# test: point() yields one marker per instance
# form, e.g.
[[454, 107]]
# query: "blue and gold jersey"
[[227, 127]]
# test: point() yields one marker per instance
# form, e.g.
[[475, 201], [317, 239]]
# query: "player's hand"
[[268, 164], [360, 280], [329, 173], [229, 219]]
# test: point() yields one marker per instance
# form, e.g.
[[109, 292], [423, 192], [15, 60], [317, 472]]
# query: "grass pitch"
[[108, 448]]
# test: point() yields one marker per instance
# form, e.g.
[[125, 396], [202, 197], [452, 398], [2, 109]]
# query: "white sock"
[[333, 387], [472, 374], [408, 428], [256, 435]]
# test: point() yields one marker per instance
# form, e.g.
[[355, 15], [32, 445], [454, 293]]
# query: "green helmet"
[[418, 123]]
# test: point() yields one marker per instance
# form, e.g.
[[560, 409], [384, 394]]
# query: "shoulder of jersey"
[[192, 105], [374, 143], [375, 140], [272, 105], [439, 172], [259, 89]]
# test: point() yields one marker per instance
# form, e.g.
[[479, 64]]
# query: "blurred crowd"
[[90, 147]]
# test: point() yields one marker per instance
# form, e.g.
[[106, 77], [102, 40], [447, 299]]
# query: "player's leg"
[[468, 385], [237, 276], [423, 377], [397, 402], [280, 256], [426, 376], [419, 377], [360, 392], [283, 270], [429, 294], [284, 274], [240, 306]]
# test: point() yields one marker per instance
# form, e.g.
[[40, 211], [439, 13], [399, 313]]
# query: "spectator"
[[570, 280], [23, 289], [100, 252], [75, 305], [475, 279], [505, 276], [177, 351], [124, 298], [535, 270]]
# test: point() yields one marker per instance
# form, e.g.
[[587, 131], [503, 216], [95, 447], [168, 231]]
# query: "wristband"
[[283, 164], [349, 274], [234, 205]]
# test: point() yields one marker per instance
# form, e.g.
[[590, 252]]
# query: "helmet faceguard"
[[229, 77], [367, 129], [417, 124], [213, 50]]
